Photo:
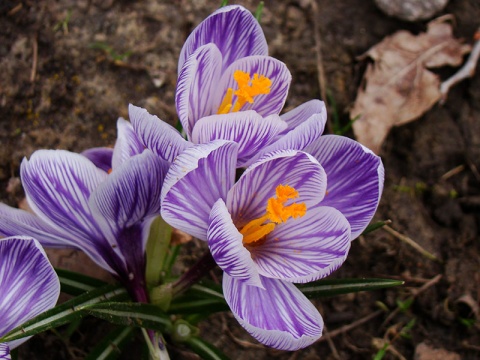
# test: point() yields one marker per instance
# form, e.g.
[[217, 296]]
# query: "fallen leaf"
[[398, 87]]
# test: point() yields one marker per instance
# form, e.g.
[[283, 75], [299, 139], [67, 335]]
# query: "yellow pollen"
[[276, 212], [248, 88]]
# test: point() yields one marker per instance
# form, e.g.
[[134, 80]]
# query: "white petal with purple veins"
[[226, 246], [58, 185], [196, 85], [28, 283], [163, 139], [4, 352], [301, 113], [305, 249], [279, 316], [247, 200], [267, 66], [196, 180], [127, 144], [355, 178], [233, 29], [100, 156], [248, 129]]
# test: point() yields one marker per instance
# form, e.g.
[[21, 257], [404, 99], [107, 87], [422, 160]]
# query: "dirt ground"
[[69, 69]]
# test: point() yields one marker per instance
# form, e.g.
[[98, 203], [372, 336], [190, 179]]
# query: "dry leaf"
[[398, 87]]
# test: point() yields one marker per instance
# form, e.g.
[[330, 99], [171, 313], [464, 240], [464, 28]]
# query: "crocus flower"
[[77, 204], [28, 284], [276, 226]]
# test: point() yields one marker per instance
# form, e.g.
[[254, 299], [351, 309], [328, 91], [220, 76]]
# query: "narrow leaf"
[[131, 314], [66, 312], [73, 283], [330, 287], [157, 250], [374, 226], [205, 350], [111, 345]]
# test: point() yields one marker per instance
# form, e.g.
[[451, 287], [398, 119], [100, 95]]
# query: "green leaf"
[[205, 350], [66, 312], [374, 226], [111, 345], [259, 10], [331, 287], [131, 314], [172, 254], [73, 283], [157, 250], [205, 298]]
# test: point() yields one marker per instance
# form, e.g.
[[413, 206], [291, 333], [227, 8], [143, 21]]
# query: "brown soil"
[[64, 83]]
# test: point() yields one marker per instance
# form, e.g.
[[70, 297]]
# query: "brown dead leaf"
[[397, 86]]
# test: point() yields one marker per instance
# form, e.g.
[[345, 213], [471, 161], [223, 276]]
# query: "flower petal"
[[197, 178], [196, 85], [279, 316], [28, 283], [100, 156], [355, 178], [267, 66], [226, 246], [247, 128], [305, 249], [247, 200], [5, 352], [127, 145], [233, 29], [301, 113], [157, 135], [58, 184]]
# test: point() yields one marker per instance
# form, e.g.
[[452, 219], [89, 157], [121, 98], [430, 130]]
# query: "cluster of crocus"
[[288, 218]]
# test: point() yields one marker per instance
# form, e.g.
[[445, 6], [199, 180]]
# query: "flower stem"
[[194, 274]]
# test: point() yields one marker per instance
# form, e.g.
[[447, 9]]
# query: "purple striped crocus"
[[229, 88], [28, 285], [101, 202], [288, 219]]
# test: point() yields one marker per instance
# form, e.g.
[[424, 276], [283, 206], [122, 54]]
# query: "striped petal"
[[305, 249], [226, 246], [100, 156], [197, 178], [235, 32], [267, 66], [28, 283], [58, 185], [355, 178], [127, 145], [279, 316], [5, 352], [300, 114], [157, 135], [248, 129], [196, 85], [247, 200]]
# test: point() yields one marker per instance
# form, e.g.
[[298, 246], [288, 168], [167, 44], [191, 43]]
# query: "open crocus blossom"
[[276, 226], [77, 204], [28, 284]]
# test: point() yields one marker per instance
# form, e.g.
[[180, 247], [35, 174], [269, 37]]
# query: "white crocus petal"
[[302, 112], [127, 145], [279, 316], [5, 352], [196, 85], [58, 185], [248, 198], [197, 178], [355, 178], [273, 69], [28, 283], [305, 249], [160, 137], [248, 129], [226, 246]]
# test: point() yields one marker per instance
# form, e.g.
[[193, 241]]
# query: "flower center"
[[248, 88], [276, 213]]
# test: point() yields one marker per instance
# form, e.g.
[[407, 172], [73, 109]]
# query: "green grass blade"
[[73, 283], [205, 350], [111, 345]]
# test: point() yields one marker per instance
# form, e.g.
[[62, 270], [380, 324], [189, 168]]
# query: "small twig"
[[467, 70], [410, 242], [453, 172], [33, 73], [331, 344], [351, 326]]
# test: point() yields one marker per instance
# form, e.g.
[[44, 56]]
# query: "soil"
[[70, 69]]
